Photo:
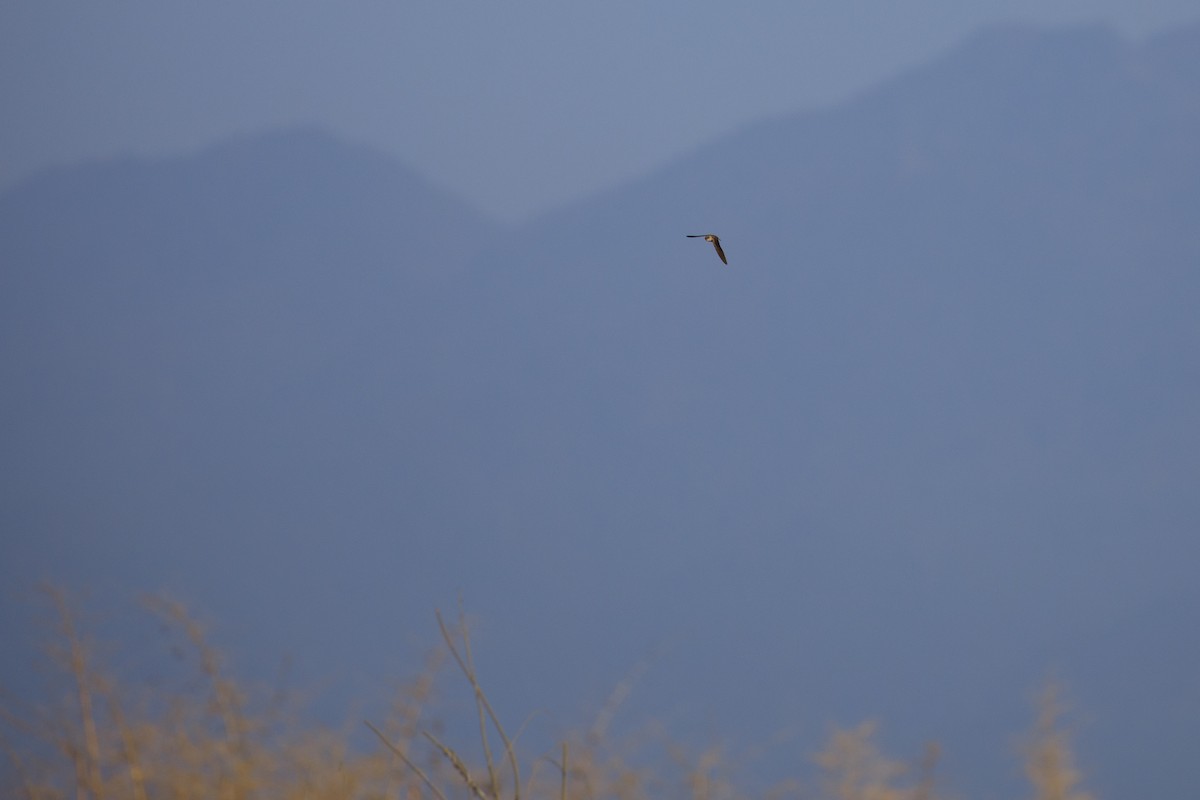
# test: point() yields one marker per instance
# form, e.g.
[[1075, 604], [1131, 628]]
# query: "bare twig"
[[467, 666], [622, 690], [408, 761], [458, 765], [27, 786], [924, 788], [130, 751], [563, 792], [87, 763]]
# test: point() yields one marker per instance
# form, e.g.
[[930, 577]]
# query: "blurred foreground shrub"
[[100, 738]]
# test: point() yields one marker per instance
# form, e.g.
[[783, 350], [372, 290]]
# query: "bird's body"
[[712, 239]]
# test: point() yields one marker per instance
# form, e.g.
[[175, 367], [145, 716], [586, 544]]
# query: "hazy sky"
[[517, 106]]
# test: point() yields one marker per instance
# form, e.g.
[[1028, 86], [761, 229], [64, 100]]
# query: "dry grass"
[[854, 769], [101, 739], [1049, 760]]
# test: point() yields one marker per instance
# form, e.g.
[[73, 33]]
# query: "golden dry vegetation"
[[102, 739]]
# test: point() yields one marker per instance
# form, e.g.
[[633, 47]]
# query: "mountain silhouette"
[[929, 437]]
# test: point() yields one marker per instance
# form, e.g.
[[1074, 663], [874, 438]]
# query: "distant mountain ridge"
[[311, 175], [932, 433]]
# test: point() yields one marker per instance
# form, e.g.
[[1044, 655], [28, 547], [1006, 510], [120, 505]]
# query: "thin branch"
[[408, 761], [27, 785], [458, 765], [467, 666], [130, 751], [88, 763], [563, 793], [924, 789]]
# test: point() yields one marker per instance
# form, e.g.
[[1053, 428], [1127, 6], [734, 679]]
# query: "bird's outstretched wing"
[[717, 244], [710, 237]]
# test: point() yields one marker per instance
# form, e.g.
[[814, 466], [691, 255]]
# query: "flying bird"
[[711, 237]]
